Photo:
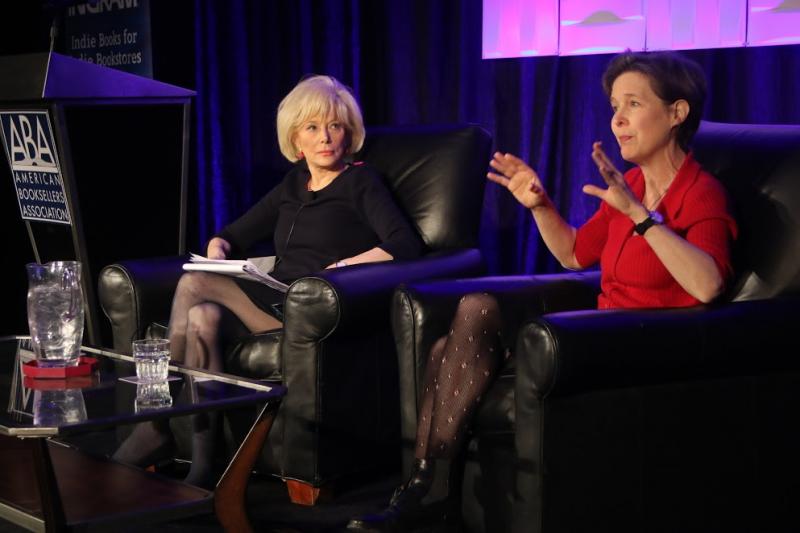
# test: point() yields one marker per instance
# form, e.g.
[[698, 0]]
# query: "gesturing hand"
[[618, 195], [516, 176]]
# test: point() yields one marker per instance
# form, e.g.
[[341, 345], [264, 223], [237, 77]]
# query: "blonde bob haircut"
[[319, 96]]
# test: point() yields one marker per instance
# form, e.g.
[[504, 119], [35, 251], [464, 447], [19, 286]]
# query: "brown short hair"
[[672, 77]]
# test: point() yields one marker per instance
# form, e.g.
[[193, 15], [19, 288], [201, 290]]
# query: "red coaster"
[[77, 382], [85, 367]]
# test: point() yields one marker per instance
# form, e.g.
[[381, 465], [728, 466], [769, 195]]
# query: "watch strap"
[[653, 219]]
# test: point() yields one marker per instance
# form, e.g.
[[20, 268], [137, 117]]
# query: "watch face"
[[656, 216]]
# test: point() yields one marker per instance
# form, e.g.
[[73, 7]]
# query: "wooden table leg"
[[29, 482], [231, 491], [52, 508]]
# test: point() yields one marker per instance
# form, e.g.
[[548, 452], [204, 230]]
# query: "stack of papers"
[[255, 268]]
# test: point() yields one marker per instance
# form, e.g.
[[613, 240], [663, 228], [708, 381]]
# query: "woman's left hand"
[[218, 248], [373, 255], [618, 195], [338, 264]]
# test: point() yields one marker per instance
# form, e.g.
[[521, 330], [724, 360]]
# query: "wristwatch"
[[653, 218]]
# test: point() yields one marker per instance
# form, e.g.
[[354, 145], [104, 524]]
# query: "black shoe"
[[411, 507]]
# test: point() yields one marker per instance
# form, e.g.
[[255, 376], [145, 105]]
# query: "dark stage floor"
[[268, 501], [271, 511]]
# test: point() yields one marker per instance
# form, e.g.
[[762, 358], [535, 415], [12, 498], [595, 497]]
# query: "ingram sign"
[[31, 151], [112, 33]]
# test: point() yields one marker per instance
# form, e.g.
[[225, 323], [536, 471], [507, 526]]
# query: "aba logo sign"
[[31, 151]]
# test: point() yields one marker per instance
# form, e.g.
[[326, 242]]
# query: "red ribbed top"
[[695, 207]]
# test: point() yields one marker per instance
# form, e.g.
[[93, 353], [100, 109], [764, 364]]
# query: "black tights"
[[461, 366]]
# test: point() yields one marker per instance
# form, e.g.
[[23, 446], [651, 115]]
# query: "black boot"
[[423, 500]]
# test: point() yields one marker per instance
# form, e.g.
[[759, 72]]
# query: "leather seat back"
[[759, 165], [426, 168]]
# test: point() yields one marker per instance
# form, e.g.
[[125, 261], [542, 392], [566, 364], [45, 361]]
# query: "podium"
[[99, 162]]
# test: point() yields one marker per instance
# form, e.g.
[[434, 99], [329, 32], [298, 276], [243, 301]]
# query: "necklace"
[[655, 203], [657, 200]]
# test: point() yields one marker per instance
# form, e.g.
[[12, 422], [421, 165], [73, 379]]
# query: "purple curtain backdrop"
[[419, 62]]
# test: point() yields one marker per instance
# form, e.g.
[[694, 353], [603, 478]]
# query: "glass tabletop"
[[109, 396]]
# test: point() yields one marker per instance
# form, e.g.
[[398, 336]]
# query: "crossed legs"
[[196, 318], [198, 323]]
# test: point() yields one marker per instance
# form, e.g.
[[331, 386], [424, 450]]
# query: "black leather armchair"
[[653, 420], [335, 353]]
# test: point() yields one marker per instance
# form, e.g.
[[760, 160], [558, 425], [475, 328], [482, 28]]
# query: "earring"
[[300, 155]]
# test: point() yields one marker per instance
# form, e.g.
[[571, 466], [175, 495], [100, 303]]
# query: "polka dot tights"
[[459, 369]]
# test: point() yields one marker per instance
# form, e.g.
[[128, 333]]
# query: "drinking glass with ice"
[[151, 357]]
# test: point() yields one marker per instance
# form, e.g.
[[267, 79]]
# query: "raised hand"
[[617, 195], [516, 176]]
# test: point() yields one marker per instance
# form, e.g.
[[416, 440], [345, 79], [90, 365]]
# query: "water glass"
[[151, 357], [55, 312], [152, 396]]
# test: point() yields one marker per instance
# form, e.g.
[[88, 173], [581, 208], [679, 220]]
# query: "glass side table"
[[50, 486]]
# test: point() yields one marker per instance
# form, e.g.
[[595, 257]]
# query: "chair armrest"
[[337, 352], [137, 292], [356, 297], [569, 353], [428, 306]]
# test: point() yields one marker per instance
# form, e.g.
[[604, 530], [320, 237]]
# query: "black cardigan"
[[312, 230]]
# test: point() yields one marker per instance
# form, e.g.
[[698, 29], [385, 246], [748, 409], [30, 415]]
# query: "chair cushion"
[[256, 356]]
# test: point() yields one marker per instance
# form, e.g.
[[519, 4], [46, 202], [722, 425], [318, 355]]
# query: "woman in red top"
[[662, 236]]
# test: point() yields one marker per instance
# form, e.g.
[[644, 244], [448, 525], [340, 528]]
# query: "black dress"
[[312, 230]]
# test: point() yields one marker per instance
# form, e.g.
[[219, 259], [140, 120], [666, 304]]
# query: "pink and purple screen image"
[[513, 28], [518, 28], [601, 26], [773, 22], [686, 24]]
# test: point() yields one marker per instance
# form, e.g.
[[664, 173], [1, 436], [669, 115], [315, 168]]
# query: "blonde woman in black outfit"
[[326, 213]]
